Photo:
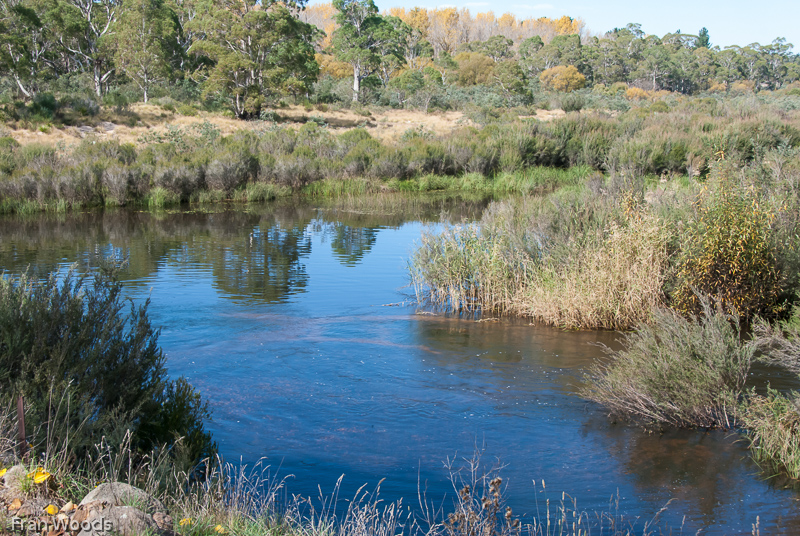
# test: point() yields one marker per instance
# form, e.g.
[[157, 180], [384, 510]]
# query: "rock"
[[118, 520], [121, 494], [163, 521]]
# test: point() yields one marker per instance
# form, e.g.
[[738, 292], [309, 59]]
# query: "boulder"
[[118, 520], [121, 494]]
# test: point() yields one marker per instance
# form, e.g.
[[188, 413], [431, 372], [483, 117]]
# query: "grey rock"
[[121, 494], [118, 520]]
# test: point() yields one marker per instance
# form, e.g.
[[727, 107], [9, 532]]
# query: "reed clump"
[[772, 424], [572, 259]]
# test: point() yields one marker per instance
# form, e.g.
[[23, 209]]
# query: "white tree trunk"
[[356, 83]]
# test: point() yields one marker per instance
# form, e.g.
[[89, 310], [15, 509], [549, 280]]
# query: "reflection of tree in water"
[[263, 265], [350, 244], [253, 252]]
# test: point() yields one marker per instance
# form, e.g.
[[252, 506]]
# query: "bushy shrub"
[[573, 102], [562, 78], [676, 371], [87, 369], [729, 253], [187, 110], [181, 180]]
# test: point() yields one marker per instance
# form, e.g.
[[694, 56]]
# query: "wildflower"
[[3, 472], [39, 476], [51, 509], [219, 529], [185, 521]]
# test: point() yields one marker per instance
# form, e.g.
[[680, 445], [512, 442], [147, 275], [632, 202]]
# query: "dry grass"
[[614, 284], [385, 125], [773, 429], [525, 260]]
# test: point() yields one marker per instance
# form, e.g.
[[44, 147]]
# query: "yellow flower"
[[220, 529], [51, 510], [39, 476], [185, 521], [2, 472]]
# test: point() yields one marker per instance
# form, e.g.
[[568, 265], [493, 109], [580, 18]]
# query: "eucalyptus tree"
[[85, 28], [259, 49], [364, 38], [26, 45], [146, 29]]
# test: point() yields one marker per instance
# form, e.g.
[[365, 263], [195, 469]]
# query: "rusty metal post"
[[21, 437]]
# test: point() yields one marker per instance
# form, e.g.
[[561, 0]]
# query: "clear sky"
[[732, 22]]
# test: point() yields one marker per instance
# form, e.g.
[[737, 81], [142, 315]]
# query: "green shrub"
[[187, 110], [88, 370], [676, 371], [572, 102], [729, 253]]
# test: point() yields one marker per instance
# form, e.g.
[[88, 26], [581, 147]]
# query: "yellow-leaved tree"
[[562, 78]]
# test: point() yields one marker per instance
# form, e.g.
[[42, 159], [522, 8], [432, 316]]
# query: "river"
[[296, 322]]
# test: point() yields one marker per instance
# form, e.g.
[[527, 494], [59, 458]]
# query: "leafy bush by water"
[[89, 370], [729, 253], [676, 371]]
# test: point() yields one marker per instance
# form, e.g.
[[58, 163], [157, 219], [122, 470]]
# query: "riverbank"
[[202, 162]]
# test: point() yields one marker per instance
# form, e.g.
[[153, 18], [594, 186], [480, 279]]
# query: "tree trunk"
[[22, 88], [356, 83], [98, 84]]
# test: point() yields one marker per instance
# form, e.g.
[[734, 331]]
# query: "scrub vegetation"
[[665, 200]]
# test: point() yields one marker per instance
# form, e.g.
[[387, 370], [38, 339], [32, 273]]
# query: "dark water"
[[293, 321]]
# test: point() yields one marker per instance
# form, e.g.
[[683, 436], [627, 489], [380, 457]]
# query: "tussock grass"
[[772, 422], [568, 259], [615, 283], [676, 371]]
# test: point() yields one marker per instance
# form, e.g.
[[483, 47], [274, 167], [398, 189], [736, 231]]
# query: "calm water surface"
[[295, 322]]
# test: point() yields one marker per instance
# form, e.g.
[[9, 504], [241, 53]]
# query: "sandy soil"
[[385, 125]]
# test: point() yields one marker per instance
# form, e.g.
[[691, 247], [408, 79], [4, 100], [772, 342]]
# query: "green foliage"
[[258, 54], [88, 370], [729, 253], [676, 371], [572, 102], [145, 30], [367, 41]]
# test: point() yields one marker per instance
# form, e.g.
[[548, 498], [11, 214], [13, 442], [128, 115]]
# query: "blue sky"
[[732, 22]]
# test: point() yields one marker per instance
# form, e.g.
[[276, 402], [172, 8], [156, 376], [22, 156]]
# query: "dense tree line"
[[243, 54]]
